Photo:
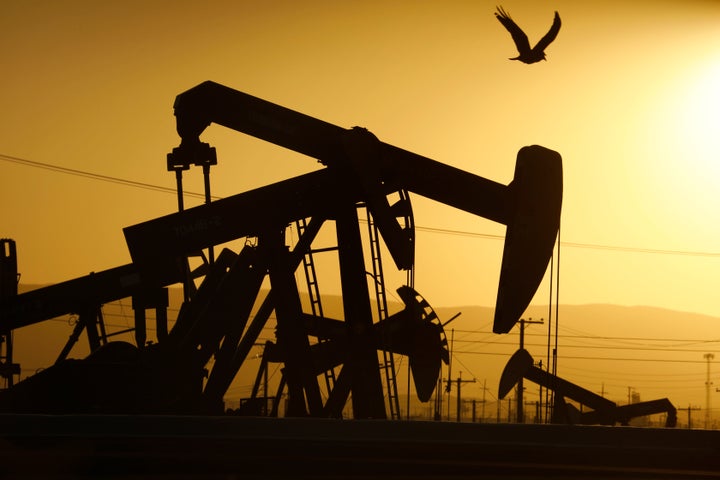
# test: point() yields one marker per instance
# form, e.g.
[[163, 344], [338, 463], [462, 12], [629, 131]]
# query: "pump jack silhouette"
[[603, 411], [324, 361]]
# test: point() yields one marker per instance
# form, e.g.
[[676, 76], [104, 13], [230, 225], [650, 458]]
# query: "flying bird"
[[528, 55]]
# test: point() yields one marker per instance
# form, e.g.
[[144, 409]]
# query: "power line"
[[595, 359], [595, 347], [443, 231], [682, 341], [594, 246], [96, 176], [641, 250], [447, 231]]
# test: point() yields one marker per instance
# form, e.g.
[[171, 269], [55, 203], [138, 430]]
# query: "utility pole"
[[460, 381], [630, 390], [482, 417], [438, 400], [540, 396], [448, 389], [449, 377], [520, 387], [708, 384], [690, 409]]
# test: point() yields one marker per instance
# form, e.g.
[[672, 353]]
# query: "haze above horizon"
[[628, 97]]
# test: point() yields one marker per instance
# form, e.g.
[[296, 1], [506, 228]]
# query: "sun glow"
[[698, 121], [678, 159]]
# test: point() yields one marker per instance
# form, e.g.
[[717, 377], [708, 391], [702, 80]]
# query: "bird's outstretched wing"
[[550, 35], [518, 36]]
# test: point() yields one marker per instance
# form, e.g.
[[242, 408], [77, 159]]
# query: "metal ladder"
[[314, 294], [388, 365]]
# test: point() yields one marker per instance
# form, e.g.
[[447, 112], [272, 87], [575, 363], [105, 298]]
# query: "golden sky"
[[628, 97]]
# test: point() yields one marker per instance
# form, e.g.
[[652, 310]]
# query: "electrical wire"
[[432, 230], [97, 176], [684, 341], [596, 359]]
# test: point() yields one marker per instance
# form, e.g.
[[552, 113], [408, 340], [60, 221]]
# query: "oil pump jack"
[[602, 411], [220, 321]]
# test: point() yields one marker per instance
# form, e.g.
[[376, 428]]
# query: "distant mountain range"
[[612, 349]]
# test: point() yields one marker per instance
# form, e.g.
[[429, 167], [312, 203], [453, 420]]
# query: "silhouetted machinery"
[[602, 411], [325, 361]]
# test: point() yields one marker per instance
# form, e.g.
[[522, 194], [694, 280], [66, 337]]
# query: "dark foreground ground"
[[157, 447]]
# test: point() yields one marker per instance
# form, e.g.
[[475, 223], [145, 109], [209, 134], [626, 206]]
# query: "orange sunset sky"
[[629, 97]]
